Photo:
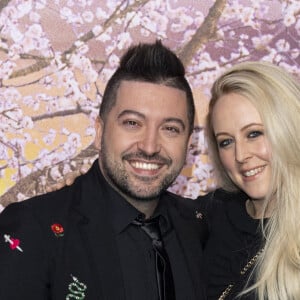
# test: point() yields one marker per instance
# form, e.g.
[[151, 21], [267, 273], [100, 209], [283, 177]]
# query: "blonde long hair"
[[276, 96]]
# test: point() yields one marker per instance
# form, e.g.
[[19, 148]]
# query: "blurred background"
[[56, 57]]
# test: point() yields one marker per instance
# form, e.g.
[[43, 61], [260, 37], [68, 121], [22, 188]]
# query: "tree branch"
[[41, 64], [204, 33], [3, 3]]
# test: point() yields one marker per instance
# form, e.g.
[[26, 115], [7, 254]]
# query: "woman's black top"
[[234, 238]]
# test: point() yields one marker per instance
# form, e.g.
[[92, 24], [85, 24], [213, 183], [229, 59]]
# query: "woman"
[[252, 127]]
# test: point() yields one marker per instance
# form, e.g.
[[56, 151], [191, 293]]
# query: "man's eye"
[[130, 123], [254, 134], [172, 129], [224, 143]]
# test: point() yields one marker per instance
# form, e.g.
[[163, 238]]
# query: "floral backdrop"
[[56, 56]]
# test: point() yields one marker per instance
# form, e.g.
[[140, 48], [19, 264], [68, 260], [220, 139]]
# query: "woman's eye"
[[254, 134], [224, 143]]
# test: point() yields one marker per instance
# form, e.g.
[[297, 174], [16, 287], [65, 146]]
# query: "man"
[[88, 241]]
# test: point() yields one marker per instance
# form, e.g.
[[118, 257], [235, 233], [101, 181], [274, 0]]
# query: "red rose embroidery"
[[57, 229]]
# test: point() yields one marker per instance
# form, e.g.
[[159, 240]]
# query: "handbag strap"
[[248, 265]]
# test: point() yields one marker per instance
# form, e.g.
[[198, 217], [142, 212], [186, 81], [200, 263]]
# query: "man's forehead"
[[140, 84], [153, 95]]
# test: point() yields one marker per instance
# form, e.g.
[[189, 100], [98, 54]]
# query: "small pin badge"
[[13, 243], [199, 215]]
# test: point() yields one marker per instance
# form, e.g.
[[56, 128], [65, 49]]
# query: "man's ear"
[[189, 144], [99, 132]]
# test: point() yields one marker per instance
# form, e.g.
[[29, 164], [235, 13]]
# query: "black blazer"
[[82, 260]]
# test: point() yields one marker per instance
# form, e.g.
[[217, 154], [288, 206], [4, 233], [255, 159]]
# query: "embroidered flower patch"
[[57, 229]]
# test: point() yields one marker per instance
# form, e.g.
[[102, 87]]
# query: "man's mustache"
[[150, 158]]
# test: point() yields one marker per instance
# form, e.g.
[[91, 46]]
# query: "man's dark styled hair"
[[153, 63]]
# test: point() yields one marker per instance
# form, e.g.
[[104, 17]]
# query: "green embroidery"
[[76, 289]]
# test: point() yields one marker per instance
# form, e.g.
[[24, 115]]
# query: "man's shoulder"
[[186, 211], [175, 197], [53, 203], [178, 201], [186, 207], [37, 208]]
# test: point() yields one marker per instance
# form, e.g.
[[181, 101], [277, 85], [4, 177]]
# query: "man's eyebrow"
[[131, 112], [134, 112]]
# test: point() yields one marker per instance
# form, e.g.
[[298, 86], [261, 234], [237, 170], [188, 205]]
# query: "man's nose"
[[149, 142]]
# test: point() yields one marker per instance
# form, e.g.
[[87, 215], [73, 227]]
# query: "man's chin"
[[144, 198], [145, 195]]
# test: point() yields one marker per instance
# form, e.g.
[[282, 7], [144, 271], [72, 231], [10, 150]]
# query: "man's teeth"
[[145, 166], [253, 172]]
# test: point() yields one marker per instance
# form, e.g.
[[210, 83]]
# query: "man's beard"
[[132, 185]]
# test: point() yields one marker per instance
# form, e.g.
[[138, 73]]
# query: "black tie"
[[163, 268]]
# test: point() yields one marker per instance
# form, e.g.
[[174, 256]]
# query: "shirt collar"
[[122, 213]]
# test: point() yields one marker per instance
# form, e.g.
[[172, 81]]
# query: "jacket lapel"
[[190, 233], [97, 236]]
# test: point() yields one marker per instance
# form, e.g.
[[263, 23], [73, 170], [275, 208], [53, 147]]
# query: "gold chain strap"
[[248, 265]]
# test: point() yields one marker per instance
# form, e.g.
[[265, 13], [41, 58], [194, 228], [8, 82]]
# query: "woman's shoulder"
[[217, 199]]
